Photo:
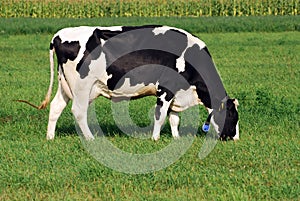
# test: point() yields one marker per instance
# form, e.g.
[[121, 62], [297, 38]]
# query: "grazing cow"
[[124, 62]]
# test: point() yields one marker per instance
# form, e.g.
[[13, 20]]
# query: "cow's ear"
[[236, 102]]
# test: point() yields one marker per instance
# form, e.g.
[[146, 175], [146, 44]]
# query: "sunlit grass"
[[260, 69]]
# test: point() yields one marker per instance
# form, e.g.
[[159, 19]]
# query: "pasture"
[[261, 69]]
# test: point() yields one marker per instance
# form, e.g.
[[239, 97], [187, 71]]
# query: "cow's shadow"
[[66, 130], [112, 130]]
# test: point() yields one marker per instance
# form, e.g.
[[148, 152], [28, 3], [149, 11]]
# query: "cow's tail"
[[46, 101]]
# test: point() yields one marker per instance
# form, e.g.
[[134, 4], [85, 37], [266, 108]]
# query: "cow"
[[129, 62]]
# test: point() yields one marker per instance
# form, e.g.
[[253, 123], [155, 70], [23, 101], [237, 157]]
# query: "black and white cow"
[[124, 62]]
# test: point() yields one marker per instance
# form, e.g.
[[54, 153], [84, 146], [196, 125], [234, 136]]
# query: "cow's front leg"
[[161, 110], [57, 105], [80, 110], [174, 122]]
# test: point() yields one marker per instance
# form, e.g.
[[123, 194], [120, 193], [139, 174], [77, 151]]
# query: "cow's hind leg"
[[57, 105], [174, 122], [162, 105], [80, 110]]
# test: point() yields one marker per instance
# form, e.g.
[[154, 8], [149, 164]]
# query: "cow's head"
[[228, 129]]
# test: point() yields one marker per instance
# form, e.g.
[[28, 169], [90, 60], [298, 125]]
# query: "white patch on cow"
[[113, 28], [197, 41], [128, 90], [184, 99], [209, 110], [99, 74], [70, 73], [180, 64], [81, 34], [174, 122], [191, 39], [160, 30], [98, 69], [236, 103], [237, 135], [216, 126]]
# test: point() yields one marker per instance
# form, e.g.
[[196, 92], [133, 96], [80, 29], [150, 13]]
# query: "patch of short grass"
[[260, 69]]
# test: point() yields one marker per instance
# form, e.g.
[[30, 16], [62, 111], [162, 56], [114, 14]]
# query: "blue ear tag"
[[205, 127]]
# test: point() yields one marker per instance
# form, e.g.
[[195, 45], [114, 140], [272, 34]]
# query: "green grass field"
[[261, 69]]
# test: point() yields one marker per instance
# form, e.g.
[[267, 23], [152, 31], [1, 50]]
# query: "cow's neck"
[[213, 101]]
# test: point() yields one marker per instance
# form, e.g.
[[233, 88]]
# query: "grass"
[[194, 25], [261, 69]]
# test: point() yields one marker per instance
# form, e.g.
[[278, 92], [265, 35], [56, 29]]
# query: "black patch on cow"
[[206, 50], [168, 91], [92, 51], [65, 51], [140, 48], [231, 120], [159, 103], [177, 31], [140, 67], [141, 38], [148, 67], [192, 74], [201, 72], [51, 46], [157, 113]]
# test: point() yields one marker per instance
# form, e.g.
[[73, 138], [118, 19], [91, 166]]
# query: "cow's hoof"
[[50, 137], [176, 137], [89, 138], [155, 138], [236, 139]]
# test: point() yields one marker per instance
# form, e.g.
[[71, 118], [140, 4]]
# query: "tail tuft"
[[40, 107]]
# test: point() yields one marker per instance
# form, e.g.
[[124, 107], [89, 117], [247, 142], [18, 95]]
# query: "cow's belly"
[[184, 99], [125, 92]]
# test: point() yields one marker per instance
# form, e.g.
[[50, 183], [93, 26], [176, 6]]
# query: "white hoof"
[[155, 138], [176, 137], [236, 137], [50, 137], [89, 138]]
